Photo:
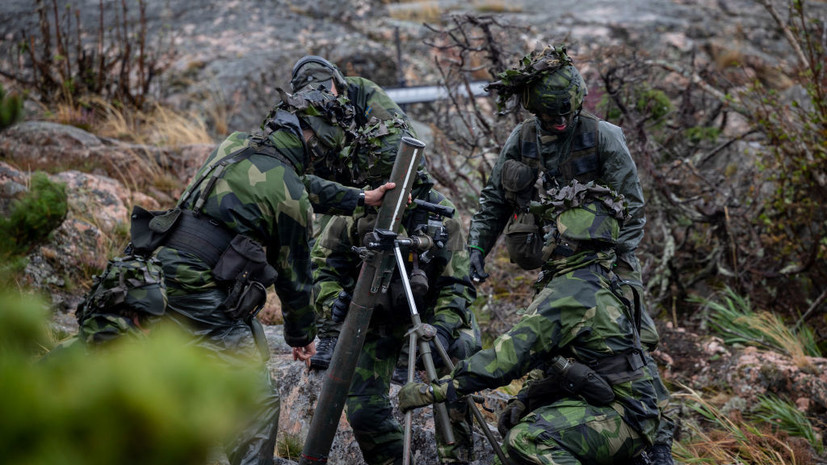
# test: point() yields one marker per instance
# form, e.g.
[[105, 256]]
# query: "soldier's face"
[[554, 122]]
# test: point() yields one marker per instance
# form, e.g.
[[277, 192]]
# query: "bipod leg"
[[474, 410], [422, 333], [406, 451]]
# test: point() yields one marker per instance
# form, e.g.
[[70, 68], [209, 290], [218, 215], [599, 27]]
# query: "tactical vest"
[[523, 233], [581, 163]]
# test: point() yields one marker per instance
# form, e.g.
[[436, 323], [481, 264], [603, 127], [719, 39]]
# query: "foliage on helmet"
[[311, 70], [330, 117], [587, 212], [365, 158], [542, 79]]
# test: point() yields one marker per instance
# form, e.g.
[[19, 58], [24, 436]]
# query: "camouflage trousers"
[[232, 342], [369, 410], [650, 338], [572, 432]]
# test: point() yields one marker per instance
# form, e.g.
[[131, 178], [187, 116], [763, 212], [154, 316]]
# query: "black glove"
[[511, 415], [444, 341], [340, 306], [477, 265]]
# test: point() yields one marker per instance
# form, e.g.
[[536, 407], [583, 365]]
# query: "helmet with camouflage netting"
[[313, 70], [330, 118], [589, 214], [545, 81]]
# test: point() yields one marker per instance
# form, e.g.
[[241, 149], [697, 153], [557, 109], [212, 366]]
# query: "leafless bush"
[[65, 61]]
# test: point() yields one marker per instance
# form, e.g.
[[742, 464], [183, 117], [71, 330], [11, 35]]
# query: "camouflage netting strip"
[[578, 194], [531, 68]]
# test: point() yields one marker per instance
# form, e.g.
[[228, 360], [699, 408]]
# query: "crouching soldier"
[[594, 399]]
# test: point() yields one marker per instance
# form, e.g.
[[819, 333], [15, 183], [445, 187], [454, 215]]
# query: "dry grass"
[[416, 11], [160, 126], [720, 437]]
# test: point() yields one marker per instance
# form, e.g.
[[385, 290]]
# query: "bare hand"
[[373, 198], [304, 353]]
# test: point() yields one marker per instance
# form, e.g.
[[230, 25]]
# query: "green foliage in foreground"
[[33, 217], [155, 401]]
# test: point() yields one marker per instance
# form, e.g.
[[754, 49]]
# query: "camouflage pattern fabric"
[[575, 315], [446, 306], [571, 432], [262, 197], [101, 328]]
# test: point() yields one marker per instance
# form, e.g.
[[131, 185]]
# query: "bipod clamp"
[[380, 239], [422, 331]]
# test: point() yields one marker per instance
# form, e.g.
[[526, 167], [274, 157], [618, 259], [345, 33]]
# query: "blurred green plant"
[[33, 217], [157, 401], [786, 416], [735, 321], [11, 108]]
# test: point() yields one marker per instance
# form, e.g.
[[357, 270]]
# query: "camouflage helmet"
[[312, 69], [588, 213], [557, 93], [328, 116], [545, 81]]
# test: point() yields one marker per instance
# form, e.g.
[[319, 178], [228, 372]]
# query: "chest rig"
[[582, 162]]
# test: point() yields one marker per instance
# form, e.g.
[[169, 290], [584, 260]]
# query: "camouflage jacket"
[[614, 168], [264, 198], [576, 315], [447, 304]]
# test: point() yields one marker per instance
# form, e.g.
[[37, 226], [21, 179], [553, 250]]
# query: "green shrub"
[[33, 218], [11, 108], [155, 401]]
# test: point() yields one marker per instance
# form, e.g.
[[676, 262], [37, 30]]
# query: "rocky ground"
[[229, 56]]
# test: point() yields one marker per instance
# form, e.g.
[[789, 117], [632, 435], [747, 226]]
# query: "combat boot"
[[660, 454], [400, 376], [324, 352]]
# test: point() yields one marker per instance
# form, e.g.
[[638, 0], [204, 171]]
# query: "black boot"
[[400, 376], [660, 454], [324, 352]]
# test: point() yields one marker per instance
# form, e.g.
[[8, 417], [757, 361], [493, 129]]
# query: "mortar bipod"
[[424, 333]]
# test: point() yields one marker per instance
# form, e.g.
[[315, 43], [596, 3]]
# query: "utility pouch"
[[245, 300], [130, 284], [517, 181], [150, 228], [524, 241], [579, 379], [243, 266]]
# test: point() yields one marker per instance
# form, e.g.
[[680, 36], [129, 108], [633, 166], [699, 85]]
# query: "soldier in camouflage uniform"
[[259, 194], [380, 125], [579, 317], [561, 143], [444, 294]]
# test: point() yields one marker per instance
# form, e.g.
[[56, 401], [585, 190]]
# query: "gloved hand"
[[511, 415], [415, 395], [478, 273], [340, 306], [444, 341]]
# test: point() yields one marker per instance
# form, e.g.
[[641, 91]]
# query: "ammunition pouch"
[[524, 241], [518, 180], [577, 378], [244, 269], [149, 229]]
